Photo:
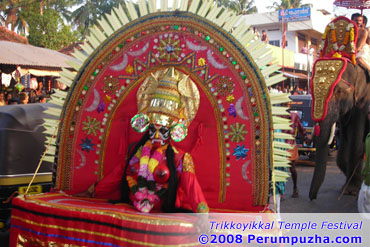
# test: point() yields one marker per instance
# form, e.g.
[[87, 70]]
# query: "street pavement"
[[327, 199]]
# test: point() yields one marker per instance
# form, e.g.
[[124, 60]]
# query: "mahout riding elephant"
[[348, 106]]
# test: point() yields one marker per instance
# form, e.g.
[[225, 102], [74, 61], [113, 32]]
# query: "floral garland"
[[148, 162], [145, 186], [349, 37]]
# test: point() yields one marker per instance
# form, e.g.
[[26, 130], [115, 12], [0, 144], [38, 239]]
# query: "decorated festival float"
[[185, 77]]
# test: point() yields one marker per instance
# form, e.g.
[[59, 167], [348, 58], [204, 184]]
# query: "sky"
[[317, 4]]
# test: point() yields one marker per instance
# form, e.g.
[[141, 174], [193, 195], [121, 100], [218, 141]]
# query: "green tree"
[[14, 13], [62, 6], [239, 6], [48, 30]]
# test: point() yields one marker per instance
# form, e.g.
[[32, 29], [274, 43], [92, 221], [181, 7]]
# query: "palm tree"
[[12, 14], [288, 4], [89, 11], [61, 6], [2, 19], [239, 6], [247, 7]]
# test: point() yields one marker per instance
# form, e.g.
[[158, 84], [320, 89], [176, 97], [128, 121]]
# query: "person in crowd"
[[23, 98], [39, 89], [363, 54], [264, 37], [363, 201], [280, 186], [42, 99], [33, 96], [13, 102], [304, 49], [311, 51], [8, 97], [255, 31], [297, 127], [2, 99]]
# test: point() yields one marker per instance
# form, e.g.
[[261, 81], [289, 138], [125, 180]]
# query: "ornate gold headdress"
[[168, 98]]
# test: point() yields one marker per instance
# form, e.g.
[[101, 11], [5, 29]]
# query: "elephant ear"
[[345, 86]]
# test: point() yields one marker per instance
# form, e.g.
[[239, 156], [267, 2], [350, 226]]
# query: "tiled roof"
[[68, 50], [8, 35], [21, 54]]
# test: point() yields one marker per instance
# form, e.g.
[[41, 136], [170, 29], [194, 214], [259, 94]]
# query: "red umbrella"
[[353, 4]]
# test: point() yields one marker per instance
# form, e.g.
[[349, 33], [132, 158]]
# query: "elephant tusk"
[[332, 132]]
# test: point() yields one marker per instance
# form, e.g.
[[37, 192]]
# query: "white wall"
[[266, 21], [277, 35]]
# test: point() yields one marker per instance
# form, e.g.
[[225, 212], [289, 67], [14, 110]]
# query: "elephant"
[[348, 106]]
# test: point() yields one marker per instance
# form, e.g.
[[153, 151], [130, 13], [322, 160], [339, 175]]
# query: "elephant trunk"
[[322, 150]]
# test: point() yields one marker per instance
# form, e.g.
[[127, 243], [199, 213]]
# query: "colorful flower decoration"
[[140, 122], [87, 145], [231, 110], [224, 86], [90, 126], [111, 85], [230, 98], [238, 132], [131, 181], [338, 48], [169, 48], [240, 152], [201, 61], [179, 132], [101, 107], [107, 99], [129, 69]]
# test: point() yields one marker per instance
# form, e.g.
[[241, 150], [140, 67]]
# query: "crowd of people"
[[296, 90], [264, 37], [26, 96]]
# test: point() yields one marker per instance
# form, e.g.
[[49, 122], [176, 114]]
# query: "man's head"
[[9, 96], [42, 99], [23, 98], [358, 19]]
